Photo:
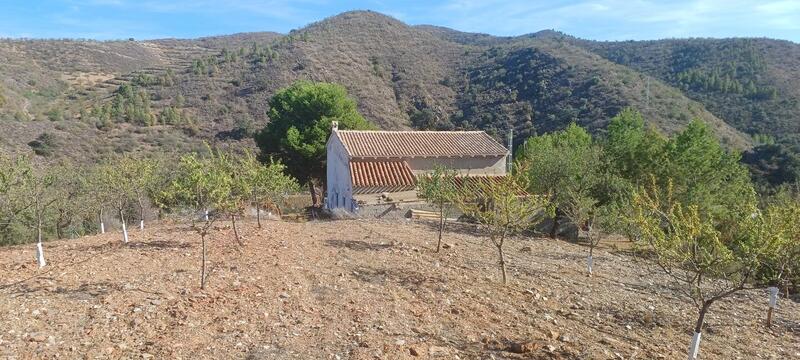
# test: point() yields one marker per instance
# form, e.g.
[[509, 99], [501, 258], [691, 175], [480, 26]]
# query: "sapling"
[[501, 206], [439, 189], [202, 185], [40, 194], [267, 183], [583, 211]]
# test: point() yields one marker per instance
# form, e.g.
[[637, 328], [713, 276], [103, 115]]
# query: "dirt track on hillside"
[[358, 289]]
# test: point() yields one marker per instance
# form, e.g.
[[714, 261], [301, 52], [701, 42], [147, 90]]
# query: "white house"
[[361, 164]]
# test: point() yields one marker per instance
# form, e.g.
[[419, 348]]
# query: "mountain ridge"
[[402, 76]]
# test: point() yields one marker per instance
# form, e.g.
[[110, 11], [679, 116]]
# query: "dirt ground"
[[359, 289]]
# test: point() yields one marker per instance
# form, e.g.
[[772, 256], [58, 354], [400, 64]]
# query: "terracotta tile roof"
[[381, 176], [407, 144]]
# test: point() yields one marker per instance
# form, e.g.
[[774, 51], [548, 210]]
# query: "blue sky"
[[591, 19]]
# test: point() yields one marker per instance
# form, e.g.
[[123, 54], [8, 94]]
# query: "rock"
[[283, 295], [400, 342], [38, 337], [553, 334], [447, 246], [523, 347], [413, 351], [564, 338], [155, 302], [526, 249]]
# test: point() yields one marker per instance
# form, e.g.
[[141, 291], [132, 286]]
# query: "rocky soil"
[[359, 289]]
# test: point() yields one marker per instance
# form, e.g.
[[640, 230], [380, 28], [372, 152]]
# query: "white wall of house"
[[464, 166], [339, 184]]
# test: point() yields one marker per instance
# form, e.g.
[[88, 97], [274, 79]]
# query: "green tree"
[[300, 124], [39, 193], [119, 179], [266, 183], [707, 264], [13, 174], [561, 165], [706, 175], [439, 189], [201, 185], [501, 206], [631, 150]]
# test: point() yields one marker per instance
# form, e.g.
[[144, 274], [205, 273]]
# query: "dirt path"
[[357, 290]]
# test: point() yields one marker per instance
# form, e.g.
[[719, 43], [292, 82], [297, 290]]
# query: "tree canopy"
[[300, 124]]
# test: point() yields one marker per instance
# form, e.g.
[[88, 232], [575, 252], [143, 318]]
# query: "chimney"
[[334, 125], [510, 159]]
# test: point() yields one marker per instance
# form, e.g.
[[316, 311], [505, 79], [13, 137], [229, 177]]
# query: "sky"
[[589, 19]]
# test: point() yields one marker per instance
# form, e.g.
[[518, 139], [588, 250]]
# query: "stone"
[[523, 347], [400, 342], [447, 246], [413, 351], [564, 338], [283, 295], [38, 337], [553, 334], [526, 249]]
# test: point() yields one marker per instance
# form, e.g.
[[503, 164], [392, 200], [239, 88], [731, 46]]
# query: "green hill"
[[87, 98]]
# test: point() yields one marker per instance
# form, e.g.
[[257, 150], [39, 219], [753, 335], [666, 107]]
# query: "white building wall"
[[339, 185]]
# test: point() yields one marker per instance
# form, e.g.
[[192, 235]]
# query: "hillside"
[[305, 290], [751, 83], [173, 94]]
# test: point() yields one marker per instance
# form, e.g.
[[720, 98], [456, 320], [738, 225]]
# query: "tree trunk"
[[258, 214], [590, 260], [314, 196], [441, 228], [502, 263], [39, 249], [102, 224], [694, 348], [235, 230], [773, 301], [141, 216], [554, 229], [124, 226], [203, 263]]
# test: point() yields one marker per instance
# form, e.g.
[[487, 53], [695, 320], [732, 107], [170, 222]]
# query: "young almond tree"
[[267, 183], [439, 189], [202, 185], [114, 182], [239, 190], [40, 193], [708, 264], [145, 170], [501, 206], [583, 211]]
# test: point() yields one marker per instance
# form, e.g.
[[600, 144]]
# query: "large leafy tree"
[[706, 175], [300, 124], [564, 166], [632, 150]]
